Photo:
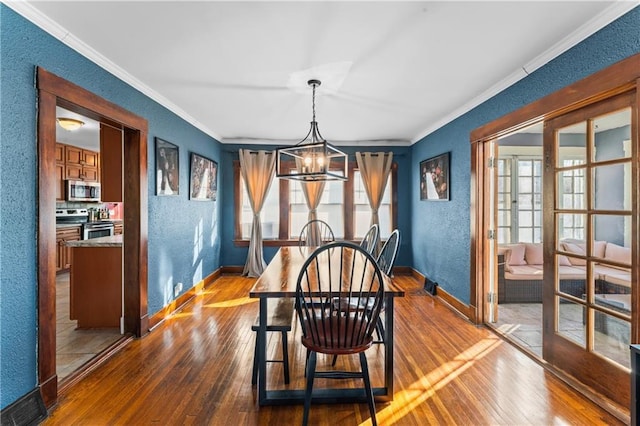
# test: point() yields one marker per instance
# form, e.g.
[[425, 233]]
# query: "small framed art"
[[167, 168], [434, 178], [203, 184]]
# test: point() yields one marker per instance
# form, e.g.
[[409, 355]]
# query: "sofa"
[[520, 270]]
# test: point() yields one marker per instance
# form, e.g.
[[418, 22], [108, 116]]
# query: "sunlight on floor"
[[232, 303], [428, 385]]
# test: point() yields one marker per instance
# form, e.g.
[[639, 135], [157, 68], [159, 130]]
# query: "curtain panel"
[[374, 168], [257, 169]]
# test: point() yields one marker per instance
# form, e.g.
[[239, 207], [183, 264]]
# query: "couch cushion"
[[524, 272], [515, 255], [533, 253], [563, 260], [616, 253], [576, 249]]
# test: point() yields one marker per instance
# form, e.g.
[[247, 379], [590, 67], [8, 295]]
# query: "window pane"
[[362, 209], [269, 216], [611, 132], [329, 210], [572, 144], [610, 191]]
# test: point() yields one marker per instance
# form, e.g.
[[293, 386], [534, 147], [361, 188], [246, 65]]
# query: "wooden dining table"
[[279, 280]]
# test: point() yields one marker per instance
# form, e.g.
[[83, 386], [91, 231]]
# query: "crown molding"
[[610, 14], [42, 21], [282, 142]]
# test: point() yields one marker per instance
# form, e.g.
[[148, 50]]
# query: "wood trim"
[[47, 378], [617, 78], [53, 91], [465, 310], [185, 298]]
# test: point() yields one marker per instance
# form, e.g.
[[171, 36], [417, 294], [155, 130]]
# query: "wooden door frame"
[[54, 91], [618, 78]]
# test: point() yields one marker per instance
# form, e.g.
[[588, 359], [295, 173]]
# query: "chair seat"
[[338, 335]]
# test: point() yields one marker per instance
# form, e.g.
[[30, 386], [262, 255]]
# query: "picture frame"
[[434, 178], [167, 168], [203, 181]]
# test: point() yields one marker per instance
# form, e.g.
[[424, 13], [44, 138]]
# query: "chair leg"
[[311, 372], [335, 359], [285, 357], [380, 330], [254, 374], [367, 387]]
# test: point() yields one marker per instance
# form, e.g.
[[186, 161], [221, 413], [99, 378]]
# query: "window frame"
[[283, 187]]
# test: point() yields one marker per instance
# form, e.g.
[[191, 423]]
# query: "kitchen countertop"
[[111, 241]]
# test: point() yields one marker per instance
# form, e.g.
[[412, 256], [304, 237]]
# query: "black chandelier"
[[311, 159]]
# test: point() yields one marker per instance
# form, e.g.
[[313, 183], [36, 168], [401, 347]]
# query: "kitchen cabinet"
[[95, 283], [63, 253], [111, 158], [75, 163]]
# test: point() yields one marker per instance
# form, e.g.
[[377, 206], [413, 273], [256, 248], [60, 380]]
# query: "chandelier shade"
[[312, 159]]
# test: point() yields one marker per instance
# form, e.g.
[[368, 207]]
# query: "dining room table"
[[279, 280]]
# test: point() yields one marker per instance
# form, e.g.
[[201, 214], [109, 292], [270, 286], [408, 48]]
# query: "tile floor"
[[522, 323], [75, 347]]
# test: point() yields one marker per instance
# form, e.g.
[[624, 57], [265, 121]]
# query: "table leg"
[[262, 352], [388, 347]]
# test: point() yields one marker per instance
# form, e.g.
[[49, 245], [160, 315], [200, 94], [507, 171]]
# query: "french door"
[[590, 235]]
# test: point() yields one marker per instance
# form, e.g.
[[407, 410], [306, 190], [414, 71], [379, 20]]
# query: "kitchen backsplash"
[[116, 210]]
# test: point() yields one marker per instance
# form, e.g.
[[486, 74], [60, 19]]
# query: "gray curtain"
[[258, 170]]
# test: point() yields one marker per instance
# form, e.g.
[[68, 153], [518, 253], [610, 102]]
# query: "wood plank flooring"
[[195, 368]]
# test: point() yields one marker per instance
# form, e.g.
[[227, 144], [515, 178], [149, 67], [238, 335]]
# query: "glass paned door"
[[588, 265]]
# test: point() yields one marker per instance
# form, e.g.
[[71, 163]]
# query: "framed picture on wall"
[[203, 184], [434, 178], [167, 168]]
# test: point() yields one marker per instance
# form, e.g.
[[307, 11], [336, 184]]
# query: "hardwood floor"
[[195, 368]]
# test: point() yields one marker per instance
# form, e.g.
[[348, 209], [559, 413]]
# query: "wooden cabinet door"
[[90, 174], [59, 153], [73, 172], [63, 253], [60, 254], [90, 158], [111, 167], [72, 155], [60, 177]]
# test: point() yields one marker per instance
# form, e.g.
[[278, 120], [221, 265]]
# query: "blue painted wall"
[[237, 256], [184, 236], [441, 231]]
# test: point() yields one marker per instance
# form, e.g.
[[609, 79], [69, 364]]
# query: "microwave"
[[79, 190]]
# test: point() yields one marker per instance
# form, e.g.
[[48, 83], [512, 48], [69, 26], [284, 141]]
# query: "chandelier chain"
[[313, 102]]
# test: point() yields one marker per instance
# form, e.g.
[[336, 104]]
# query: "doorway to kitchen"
[[54, 92]]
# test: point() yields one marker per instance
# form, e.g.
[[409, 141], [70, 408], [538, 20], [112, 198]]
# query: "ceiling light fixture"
[[312, 159], [70, 123]]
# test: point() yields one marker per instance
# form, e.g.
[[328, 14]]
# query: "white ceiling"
[[391, 71]]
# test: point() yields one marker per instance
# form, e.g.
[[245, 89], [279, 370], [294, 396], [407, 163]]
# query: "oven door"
[[93, 231]]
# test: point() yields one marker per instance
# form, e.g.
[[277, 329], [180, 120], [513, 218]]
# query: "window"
[[343, 205], [269, 215], [330, 208], [519, 200], [362, 210]]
